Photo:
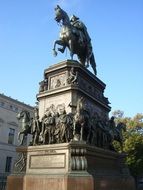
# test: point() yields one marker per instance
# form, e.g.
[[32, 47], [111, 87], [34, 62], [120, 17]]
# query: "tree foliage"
[[133, 141], [133, 146]]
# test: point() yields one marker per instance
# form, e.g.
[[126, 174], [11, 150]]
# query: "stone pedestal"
[[69, 166], [65, 82]]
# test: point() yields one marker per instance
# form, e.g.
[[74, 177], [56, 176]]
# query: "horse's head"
[[61, 15], [24, 114], [58, 13]]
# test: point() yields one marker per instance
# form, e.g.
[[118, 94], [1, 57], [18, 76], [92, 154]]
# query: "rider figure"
[[48, 123], [84, 37]]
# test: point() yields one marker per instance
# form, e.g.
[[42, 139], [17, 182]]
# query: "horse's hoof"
[[61, 50], [54, 53]]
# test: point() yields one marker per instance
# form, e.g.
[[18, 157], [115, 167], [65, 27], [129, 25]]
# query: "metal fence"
[[3, 179]]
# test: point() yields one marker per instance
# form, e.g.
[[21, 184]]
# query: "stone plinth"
[[63, 86], [70, 166]]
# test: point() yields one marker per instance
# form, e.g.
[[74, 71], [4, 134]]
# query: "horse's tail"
[[93, 63]]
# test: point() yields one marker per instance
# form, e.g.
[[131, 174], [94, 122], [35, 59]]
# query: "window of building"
[[11, 136], [11, 107], [2, 104], [8, 164]]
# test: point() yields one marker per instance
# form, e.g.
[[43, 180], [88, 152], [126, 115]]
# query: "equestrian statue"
[[74, 36]]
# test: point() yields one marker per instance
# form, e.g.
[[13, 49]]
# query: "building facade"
[[9, 128]]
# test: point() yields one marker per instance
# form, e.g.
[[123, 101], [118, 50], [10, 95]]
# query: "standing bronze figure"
[[74, 36]]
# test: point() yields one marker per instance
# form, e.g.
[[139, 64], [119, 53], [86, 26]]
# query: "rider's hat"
[[73, 18]]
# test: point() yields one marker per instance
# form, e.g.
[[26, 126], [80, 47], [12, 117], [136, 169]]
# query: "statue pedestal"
[[66, 82], [69, 166]]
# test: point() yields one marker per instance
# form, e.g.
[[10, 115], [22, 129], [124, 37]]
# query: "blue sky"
[[27, 32]]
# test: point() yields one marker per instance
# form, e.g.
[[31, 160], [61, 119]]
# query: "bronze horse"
[[81, 121], [71, 41], [25, 120]]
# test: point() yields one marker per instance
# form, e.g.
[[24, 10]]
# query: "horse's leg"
[[62, 49], [75, 134], [82, 58], [20, 139], [93, 64], [19, 136], [71, 49], [61, 43], [54, 49]]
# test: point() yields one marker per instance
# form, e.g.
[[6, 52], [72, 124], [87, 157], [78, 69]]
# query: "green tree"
[[133, 141], [133, 146]]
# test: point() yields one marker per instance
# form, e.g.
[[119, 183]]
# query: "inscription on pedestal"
[[47, 161]]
